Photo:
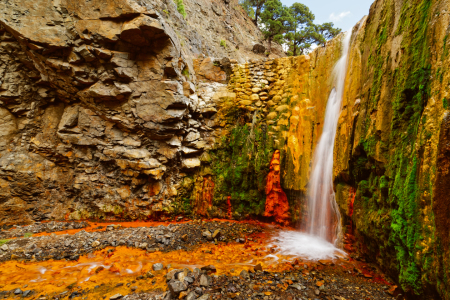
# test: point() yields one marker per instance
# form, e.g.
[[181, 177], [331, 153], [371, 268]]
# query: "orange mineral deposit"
[[277, 204]]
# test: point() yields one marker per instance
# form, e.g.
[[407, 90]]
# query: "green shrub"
[[185, 72], [223, 43], [27, 235], [187, 207], [180, 8], [2, 242]]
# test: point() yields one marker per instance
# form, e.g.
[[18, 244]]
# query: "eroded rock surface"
[[101, 113]]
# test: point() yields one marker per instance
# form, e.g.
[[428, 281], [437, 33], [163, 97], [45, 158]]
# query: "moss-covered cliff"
[[389, 138]]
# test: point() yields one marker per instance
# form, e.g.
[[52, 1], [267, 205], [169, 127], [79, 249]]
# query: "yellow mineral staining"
[[300, 143]]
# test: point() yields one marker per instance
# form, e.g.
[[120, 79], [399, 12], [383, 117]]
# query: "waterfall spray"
[[323, 214]]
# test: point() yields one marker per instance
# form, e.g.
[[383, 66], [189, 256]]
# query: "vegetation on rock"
[[276, 19], [180, 8], [240, 164]]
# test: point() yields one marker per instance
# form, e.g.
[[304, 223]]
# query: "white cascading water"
[[321, 230], [323, 214]]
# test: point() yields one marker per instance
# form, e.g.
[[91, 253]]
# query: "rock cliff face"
[[101, 112], [392, 139]]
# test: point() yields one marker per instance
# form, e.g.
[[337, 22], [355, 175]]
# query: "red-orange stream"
[[123, 265], [116, 270]]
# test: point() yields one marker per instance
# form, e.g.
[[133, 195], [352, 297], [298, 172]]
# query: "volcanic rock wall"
[[101, 114], [392, 139]]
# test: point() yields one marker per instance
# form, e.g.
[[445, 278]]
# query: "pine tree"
[[276, 21], [253, 8], [304, 33], [328, 31]]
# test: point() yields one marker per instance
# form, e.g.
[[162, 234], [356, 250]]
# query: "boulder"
[[244, 274], [142, 30], [254, 97], [107, 91], [271, 116], [176, 287], [190, 163], [205, 280], [157, 267], [211, 72], [259, 49]]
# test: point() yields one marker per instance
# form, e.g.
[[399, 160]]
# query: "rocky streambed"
[[193, 260], [151, 239], [38, 227]]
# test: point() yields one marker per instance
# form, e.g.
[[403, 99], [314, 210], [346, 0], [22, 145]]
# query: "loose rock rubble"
[[161, 238], [202, 284], [19, 231]]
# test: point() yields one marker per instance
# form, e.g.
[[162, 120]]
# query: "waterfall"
[[323, 213], [321, 232]]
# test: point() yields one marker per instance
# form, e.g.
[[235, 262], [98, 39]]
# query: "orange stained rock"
[[229, 214], [277, 204], [204, 196], [352, 195], [301, 143]]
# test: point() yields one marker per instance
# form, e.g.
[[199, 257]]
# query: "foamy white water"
[[323, 214], [305, 246]]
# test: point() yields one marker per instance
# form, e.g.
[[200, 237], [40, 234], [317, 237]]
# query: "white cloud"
[[337, 17]]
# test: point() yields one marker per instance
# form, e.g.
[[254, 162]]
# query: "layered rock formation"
[[101, 113]]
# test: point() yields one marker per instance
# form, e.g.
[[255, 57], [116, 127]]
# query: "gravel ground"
[[161, 238], [20, 231]]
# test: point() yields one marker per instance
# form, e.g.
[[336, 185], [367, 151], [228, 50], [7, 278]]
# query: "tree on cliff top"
[[300, 41], [253, 8], [327, 31], [293, 26], [276, 21], [304, 33]]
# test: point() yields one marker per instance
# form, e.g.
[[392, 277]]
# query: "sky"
[[343, 13]]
